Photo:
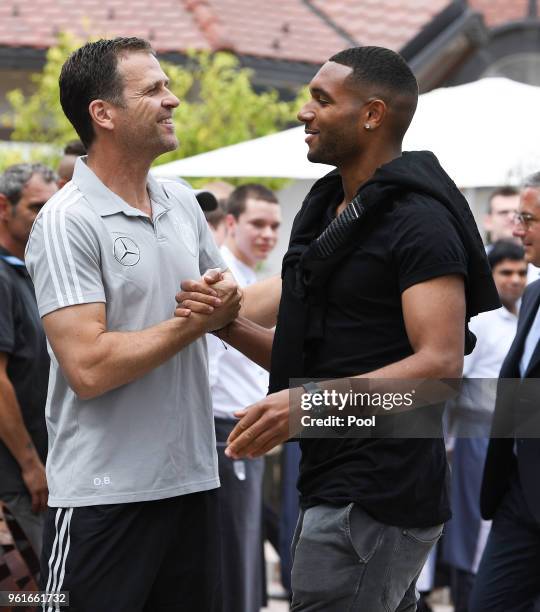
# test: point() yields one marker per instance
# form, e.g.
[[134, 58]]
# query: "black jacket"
[[513, 398]]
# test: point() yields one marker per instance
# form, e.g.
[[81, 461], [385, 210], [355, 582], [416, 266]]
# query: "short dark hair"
[[236, 203], [379, 66], [216, 216], [91, 73], [504, 249], [533, 180], [75, 147], [389, 77], [14, 179], [506, 191]]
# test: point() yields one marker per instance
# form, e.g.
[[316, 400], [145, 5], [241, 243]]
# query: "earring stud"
[[367, 126]]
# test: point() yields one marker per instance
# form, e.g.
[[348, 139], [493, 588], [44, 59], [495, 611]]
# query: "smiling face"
[[528, 230], [254, 234], [333, 116], [143, 123]]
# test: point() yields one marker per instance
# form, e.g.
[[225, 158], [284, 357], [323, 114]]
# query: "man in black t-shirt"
[[24, 362], [384, 267]]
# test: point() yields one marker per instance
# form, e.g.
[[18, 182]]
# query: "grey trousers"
[[345, 561], [20, 505]]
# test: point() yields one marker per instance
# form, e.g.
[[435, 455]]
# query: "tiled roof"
[[386, 23], [281, 29], [34, 23], [292, 30], [497, 12]]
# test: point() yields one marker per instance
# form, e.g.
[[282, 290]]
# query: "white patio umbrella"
[[279, 155], [485, 133]]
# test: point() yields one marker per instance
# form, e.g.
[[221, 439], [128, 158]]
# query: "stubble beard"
[[332, 151], [150, 144]]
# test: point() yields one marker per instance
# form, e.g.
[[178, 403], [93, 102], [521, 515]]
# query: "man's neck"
[[510, 306], [358, 171], [233, 248], [124, 175], [12, 246]]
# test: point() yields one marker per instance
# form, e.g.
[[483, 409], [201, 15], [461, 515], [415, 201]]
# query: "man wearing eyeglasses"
[[498, 221], [508, 578]]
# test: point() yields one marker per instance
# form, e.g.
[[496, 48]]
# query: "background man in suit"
[[508, 578]]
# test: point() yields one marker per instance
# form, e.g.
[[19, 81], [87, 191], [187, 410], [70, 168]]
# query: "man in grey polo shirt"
[[132, 467]]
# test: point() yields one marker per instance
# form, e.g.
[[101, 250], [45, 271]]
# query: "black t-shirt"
[[22, 338], [397, 481]]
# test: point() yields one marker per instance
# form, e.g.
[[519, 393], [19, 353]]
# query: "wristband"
[[313, 390]]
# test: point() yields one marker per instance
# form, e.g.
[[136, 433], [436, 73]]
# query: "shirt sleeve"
[[63, 260], [426, 243], [469, 361], [216, 351], [7, 324]]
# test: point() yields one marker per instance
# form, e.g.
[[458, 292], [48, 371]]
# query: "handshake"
[[215, 299]]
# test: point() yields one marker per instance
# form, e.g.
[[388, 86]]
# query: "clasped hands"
[[215, 295], [265, 424]]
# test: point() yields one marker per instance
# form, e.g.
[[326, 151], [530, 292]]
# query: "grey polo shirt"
[[152, 438]]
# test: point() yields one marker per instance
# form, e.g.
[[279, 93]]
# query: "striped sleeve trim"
[[62, 265]]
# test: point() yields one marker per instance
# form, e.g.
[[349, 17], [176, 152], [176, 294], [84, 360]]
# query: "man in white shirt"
[[466, 533], [252, 221]]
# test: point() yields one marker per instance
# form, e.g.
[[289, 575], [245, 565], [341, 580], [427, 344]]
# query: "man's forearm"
[[261, 301], [13, 432], [254, 341], [113, 359], [430, 364], [431, 377]]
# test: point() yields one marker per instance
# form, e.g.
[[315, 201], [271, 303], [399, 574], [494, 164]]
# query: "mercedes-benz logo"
[[126, 251]]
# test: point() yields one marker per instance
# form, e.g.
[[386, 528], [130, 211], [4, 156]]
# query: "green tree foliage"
[[218, 104], [38, 117], [19, 154]]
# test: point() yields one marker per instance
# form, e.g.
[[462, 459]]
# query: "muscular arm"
[[434, 315], [95, 360], [15, 436], [261, 301], [253, 340], [249, 333]]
